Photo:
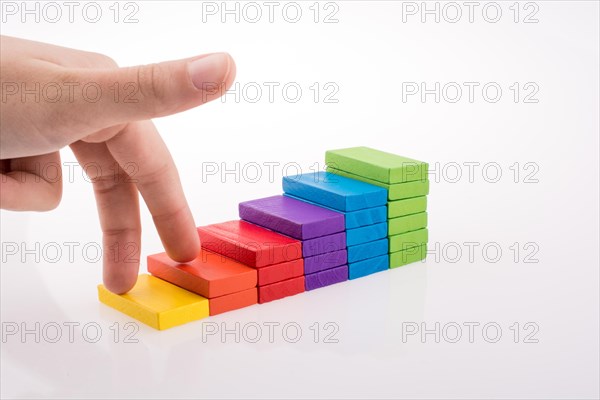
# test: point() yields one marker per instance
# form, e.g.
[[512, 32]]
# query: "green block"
[[378, 165], [407, 223], [408, 240], [408, 256], [396, 191], [399, 208]]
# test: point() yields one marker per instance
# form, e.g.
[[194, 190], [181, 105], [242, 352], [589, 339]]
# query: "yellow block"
[[157, 303]]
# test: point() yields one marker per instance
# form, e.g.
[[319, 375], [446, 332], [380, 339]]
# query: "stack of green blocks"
[[408, 185]]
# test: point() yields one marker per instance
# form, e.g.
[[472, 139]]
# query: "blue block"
[[356, 219], [366, 234], [367, 216], [368, 267], [367, 250], [335, 191]]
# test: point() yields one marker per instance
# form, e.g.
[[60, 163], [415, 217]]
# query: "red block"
[[249, 244], [279, 290], [245, 298], [210, 275], [280, 272]]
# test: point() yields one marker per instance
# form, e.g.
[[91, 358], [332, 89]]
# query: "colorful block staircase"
[[365, 214]]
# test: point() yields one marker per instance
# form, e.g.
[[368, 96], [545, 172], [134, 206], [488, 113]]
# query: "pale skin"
[[111, 133]]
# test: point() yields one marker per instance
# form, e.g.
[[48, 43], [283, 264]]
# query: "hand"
[[53, 97]]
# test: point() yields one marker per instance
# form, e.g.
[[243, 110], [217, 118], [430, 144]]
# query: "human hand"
[[106, 132]]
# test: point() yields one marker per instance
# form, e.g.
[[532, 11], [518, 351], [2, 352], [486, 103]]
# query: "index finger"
[[140, 145]]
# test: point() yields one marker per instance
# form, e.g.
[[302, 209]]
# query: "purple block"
[[326, 278], [324, 244], [325, 261], [292, 217]]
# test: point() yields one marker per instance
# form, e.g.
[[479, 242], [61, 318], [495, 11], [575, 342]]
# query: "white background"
[[368, 54]]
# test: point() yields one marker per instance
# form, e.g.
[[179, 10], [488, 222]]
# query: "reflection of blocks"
[[367, 214], [157, 303], [210, 275]]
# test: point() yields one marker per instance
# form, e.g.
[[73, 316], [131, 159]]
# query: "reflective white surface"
[[368, 54]]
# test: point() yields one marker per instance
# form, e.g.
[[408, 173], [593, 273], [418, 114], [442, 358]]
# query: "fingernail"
[[209, 71]]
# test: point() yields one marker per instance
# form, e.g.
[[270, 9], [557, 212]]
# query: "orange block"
[[210, 274], [245, 298], [280, 272]]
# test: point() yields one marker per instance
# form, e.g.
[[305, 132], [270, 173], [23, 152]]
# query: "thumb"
[[121, 95]]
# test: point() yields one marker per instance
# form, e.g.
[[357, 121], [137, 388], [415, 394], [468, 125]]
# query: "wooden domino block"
[[378, 165], [400, 258], [233, 301], [249, 244], [325, 261], [279, 290], [400, 208], [335, 191], [157, 303], [407, 223], [324, 244], [210, 274], [368, 216], [368, 250], [408, 240], [397, 191], [366, 234], [326, 277], [292, 217], [368, 267], [358, 218], [280, 272]]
